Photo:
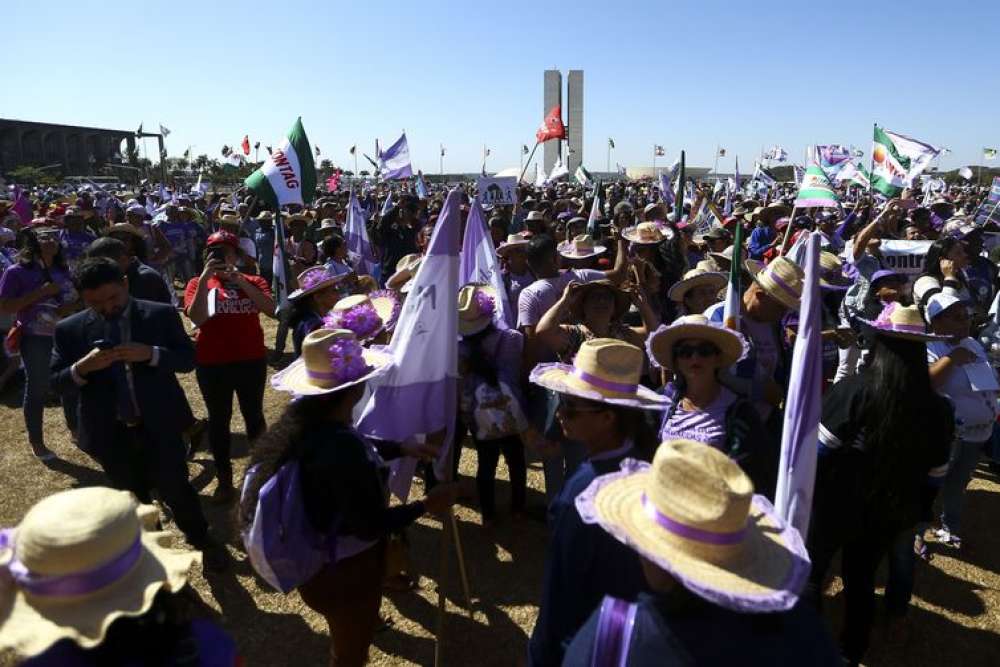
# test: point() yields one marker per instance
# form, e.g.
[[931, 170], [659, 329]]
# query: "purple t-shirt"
[[516, 282], [536, 299], [39, 318], [707, 426], [74, 244]]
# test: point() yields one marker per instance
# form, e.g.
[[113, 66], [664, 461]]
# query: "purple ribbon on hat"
[[690, 532], [77, 583], [620, 387], [783, 285]]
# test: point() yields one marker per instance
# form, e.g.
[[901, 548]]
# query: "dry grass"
[[955, 616]]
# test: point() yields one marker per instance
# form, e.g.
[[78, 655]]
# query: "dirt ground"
[[955, 615]]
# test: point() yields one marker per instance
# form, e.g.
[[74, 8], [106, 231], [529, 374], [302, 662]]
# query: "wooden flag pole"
[[463, 575]]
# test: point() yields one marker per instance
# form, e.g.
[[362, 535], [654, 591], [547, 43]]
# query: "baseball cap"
[[939, 303]]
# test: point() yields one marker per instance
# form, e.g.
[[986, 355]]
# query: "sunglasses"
[[704, 350], [571, 410]]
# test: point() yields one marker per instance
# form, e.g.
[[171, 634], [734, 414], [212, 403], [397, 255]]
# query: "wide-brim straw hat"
[[832, 276], [660, 344], [264, 215], [605, 370], [904, 322], [332, 360], [477, 307], [696, 277], [68, 545], [781, 279], [622, 301], [693, 513], [645, 233], [348, 313], [314, 279], [513, 242], [581, 247]]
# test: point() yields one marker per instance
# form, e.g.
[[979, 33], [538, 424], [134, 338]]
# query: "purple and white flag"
[[666, 192], [356, 236], [394, 162], [800, 435], [22, 205], [479, 264], [418, 396]]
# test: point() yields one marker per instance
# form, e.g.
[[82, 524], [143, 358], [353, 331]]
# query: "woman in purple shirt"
[[700, 407], [38, 290]]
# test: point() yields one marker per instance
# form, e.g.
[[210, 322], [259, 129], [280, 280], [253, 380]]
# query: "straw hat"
[[265, 215], [581, 247], [723, 259], [367, 315], [477, 306], [332, 359], [896, 321], [693, 513], [622, 300], [660, 344], [770, 213], [233, 220], [696, 277], [604, 370], [832, 272], [513, 242], [406, 268], [645, 233], [314, 279], [781, 279], [79, 560]]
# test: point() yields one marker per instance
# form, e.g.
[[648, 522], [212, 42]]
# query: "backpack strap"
[[614, 633]]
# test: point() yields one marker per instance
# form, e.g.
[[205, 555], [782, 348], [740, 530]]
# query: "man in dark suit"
[[123, 353], [143, 281]]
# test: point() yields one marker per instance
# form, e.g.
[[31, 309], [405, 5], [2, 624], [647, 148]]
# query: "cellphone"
[[217, 253], [103, 344]]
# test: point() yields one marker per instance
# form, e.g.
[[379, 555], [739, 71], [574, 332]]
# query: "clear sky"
[[688, 75]]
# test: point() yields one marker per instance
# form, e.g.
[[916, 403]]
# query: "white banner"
[[497, 191], [902, 256]]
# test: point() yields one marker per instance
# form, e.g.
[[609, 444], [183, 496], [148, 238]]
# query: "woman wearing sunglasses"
[[699, 406]]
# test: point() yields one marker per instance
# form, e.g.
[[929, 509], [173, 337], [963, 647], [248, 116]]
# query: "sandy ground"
[[955, 616]]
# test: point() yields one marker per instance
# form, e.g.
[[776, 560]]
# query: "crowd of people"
[[657, 423]]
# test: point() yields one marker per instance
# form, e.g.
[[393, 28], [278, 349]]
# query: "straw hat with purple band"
[[604, 370], [513, 242], [314, 279], [696, 277], [332, 359], [79, 560], [660, 344], [896, 321], [781, 279], [580, 247], [832, 273], [477, 306], [693, 513], [367, 315], [645, 233]]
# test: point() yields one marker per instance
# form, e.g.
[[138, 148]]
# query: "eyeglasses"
[[704, 350]]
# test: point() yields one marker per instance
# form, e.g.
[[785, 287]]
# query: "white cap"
[[923, 286], [939, 303]]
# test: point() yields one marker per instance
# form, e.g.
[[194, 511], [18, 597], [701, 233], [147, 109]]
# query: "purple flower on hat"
[[887, 311], [363, 320], [314, 278], [347, 361], [485, 303]]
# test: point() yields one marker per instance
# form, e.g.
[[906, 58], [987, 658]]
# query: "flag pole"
[[528, 163], [608, 167], [871, 170], [679, 198]]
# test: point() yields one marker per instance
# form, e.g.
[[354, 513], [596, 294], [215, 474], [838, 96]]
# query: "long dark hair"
[[283, 442], [938, 251], [480, 362], [30, 250], [897, 411]]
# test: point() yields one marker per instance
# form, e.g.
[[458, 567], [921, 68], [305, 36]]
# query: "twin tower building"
[[573, 114]]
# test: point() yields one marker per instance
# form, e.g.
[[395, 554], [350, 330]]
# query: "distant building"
[[551, 97], [574, 119], [77, 150]]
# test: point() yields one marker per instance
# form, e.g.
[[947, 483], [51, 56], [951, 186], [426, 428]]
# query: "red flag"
[[246, 144], [552, 127]]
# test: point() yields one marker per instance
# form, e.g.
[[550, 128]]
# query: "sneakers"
[[948, 538]]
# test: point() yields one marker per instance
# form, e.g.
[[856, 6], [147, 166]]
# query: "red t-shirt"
[[233, 333]]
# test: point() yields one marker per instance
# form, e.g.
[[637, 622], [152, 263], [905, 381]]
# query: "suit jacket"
[[145, 283], [163, 406]]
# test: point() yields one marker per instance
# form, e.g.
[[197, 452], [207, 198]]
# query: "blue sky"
[[688, 75]]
